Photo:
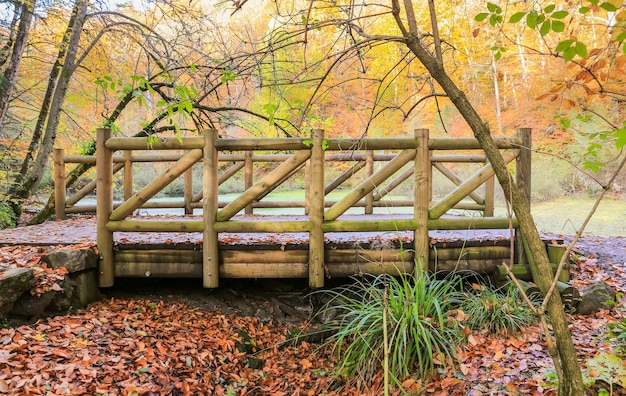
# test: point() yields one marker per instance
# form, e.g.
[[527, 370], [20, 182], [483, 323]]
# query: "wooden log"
[[471, 143], [259, 144], [262, 185], [104, 203], [369, 184], [520, 271], [472, 253], [381, 192], [188, 190], [292, 256], [164, 143], [422, 191], [389, 254], [316, 211], [469, 185], [265, 270], [156, 185], [478, 223], [344, 270], [458, 158], [156, 225], [489, 197], [555, 254], [481, 266], [369, 170], [128, 175], [236, 226], [248, 178], [367, 225], [339, 180], [457, 181], [159, 256], [210, 247], [531, 291], [230, 172], [79, 159], [59, 183], [158, 269]]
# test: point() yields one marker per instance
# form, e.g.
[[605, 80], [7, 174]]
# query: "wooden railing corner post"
[[128, 175], [316, 210], [59, 183], [188, 190], [422, 176], [210, 248], [248, 178], [104, 207]]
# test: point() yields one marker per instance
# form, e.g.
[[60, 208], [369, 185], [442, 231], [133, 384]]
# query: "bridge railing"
[[409, 159]]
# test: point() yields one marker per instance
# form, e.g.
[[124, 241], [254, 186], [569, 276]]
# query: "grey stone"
[[74, 260], [13, 283], [84, 288], [49, 303], [595, 297]]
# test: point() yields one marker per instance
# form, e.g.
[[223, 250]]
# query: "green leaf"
[[559, 14], [531, 20], [581, 49], [563, 45], [569, 53], [497, 55], [193, 67], [549, 8], [584, 10], [558, 26], [481, 17], [608, 7], [545, 28], [516, 17], [491, 7]]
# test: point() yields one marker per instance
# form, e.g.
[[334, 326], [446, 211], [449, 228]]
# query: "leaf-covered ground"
[[141, 344]]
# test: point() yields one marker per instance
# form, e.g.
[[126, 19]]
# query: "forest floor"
[[172, 337]]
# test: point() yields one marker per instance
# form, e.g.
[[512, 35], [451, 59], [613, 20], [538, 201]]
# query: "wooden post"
[[210, 260], [59, 184], [104, 206], [369, 169], [522, 179], [188, 190], [248, 179], [316, 211], [128, 175], [421, 198], [489, 197]]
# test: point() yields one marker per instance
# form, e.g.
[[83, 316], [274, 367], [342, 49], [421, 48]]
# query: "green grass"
[[566, 215]]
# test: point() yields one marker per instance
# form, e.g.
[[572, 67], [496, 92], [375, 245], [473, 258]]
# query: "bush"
[[497, 311], [418, 330], [6, 216]]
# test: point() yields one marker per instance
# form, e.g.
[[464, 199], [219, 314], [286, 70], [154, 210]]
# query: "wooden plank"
[[156, 185], [473, 223], [158, 269], [365, 225], [369, 184], [262, 185], [469, 185]]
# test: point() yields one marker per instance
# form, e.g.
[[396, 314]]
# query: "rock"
[[84, 288], [595, 297], [13, 283], [74, 260], [52, 302]]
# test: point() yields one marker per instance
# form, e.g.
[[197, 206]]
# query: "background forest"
[[274, 68]]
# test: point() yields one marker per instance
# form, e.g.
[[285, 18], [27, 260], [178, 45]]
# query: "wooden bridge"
[[330, 238]]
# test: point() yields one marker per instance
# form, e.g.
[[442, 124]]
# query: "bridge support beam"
[[316, 211], [422, 199], [210, 259], [104, 206]]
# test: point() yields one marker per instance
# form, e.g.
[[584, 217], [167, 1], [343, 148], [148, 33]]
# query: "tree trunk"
[[31, 172], [10, 73], [571, 378]]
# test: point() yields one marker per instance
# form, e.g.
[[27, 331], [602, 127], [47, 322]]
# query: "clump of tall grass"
[[400, 324], [497, 311]]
